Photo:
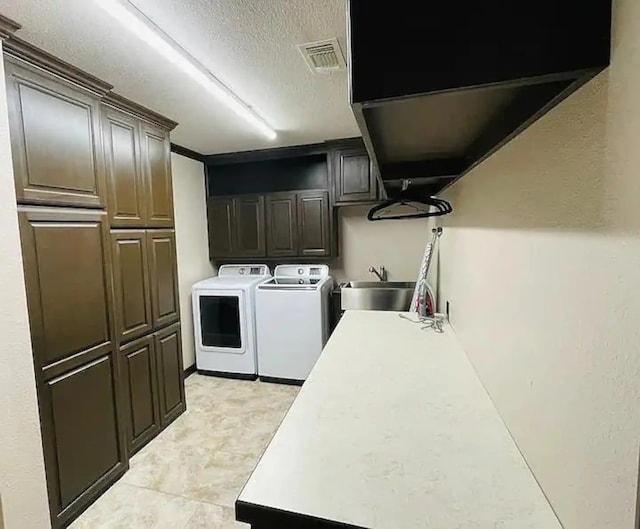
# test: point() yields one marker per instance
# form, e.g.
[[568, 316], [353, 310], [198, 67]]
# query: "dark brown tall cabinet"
[[93, 184]]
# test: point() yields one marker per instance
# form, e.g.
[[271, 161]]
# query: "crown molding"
[[28, 53], [7, 27], [121, 103]]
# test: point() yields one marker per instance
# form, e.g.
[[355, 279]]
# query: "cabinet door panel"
[[353, 177], [314, 237], [249, 227], [140, 388], [156, 160], [83, 442], [163, 276], [125, 183], [170, 373], [282, 225], [220, 223], [68, 291], [131, 283], [55, 139]]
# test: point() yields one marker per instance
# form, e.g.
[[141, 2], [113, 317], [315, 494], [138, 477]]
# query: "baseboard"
[[286, 381], [223, 374], [189, 371]]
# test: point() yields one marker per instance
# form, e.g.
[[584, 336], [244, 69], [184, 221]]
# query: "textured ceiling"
[[249, 44]]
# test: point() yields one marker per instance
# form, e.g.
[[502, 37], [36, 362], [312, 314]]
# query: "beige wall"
[[398, 245], [23, 493], [191, 240], [541, 264]]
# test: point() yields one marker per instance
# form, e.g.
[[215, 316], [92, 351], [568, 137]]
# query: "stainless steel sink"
[[377, 295]]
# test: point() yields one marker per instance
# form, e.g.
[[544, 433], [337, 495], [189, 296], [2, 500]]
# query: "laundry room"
[[319, 264]]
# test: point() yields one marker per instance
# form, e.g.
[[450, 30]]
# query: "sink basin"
[[377, 295]]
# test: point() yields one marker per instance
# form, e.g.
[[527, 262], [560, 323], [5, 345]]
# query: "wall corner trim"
[[188, 153]]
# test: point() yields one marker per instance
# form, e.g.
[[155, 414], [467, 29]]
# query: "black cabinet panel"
[[282, 222], [249, 227], [353, 177], [314, 237], [221, 226]]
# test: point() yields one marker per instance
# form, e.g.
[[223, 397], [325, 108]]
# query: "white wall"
[[23, 492], [541, 264], [398, 245], [191, 240]]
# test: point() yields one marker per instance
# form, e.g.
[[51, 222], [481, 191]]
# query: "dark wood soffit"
[[437, 167], [123, 104], [7, 27], [22, 50], [188, 153]]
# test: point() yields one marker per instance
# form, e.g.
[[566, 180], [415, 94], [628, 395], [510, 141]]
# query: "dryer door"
[[220, 321]]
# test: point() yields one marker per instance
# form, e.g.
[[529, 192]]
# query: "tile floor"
[[190, 475]]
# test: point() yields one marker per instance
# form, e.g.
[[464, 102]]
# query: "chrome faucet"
[[382, 274]]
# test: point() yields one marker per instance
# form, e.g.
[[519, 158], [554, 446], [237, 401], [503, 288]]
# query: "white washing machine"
[[292, 318], [224, 321]]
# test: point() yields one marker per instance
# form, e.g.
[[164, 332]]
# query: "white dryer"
[[224, 321], [292, 318]]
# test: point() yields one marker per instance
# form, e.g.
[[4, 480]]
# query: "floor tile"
[[191, 474], [127, 507], [209, 516]]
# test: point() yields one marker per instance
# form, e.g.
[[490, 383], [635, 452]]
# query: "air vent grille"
[[323, 56]]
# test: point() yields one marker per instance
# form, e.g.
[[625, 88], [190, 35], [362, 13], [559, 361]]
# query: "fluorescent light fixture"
[[138, 24]]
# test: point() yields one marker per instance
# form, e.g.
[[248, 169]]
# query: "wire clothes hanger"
[[423, 207]]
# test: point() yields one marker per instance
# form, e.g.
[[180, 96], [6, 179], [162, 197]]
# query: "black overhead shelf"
[[438, 86]]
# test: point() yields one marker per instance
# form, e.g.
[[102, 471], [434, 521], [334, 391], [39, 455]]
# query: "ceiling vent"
[[323, 56]]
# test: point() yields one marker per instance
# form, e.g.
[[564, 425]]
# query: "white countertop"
[[393, 429]]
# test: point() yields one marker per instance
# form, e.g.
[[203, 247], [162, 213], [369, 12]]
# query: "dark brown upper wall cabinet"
[[353, 177], [55, 139], [156, 163], [314, 224], [221, 226], [163, 277], [282, 222], [131, 283], [125, 181], [250, 229]]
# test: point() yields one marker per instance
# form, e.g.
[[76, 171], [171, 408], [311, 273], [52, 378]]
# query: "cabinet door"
[[249, 227], [55, 140], [221, 224], [170, 373], [82, 434], [163, 277], [354, 179], [69, 295], [125, 183], [156, 164], [282, 225], [140, 390], [68, 275], [314, 236], [131, 284]]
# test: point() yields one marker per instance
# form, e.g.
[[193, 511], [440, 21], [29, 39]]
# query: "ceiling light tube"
[[143, 28]]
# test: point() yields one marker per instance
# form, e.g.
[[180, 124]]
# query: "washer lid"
[[301, 271]]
